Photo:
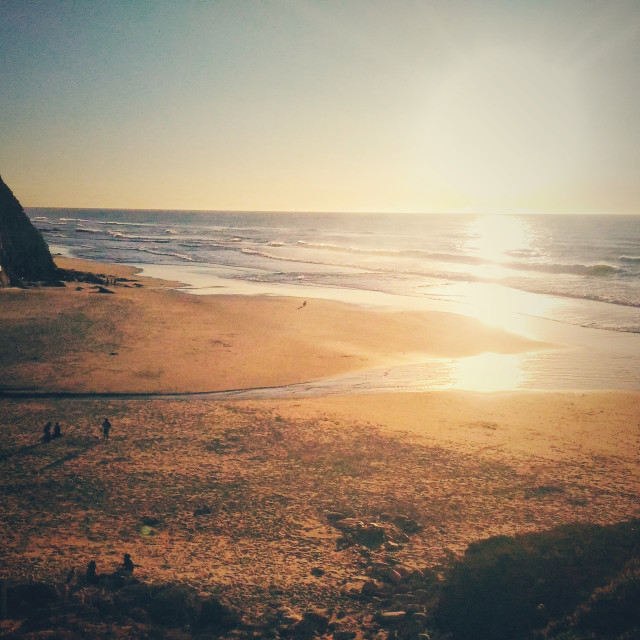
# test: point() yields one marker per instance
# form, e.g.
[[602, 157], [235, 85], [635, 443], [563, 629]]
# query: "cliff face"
[[24, 255]]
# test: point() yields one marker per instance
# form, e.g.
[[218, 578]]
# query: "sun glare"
[[498, 240], [487, 372], [494, 238], [504, 124]]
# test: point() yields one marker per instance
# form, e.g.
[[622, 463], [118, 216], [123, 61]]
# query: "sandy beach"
[[152, 338], [235, 498]]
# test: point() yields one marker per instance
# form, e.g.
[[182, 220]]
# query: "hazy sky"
[[349, 105]]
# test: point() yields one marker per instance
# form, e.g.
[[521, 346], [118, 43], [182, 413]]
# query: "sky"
[[322, 105]]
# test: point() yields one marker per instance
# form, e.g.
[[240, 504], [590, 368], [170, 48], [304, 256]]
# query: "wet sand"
[[156, 339]]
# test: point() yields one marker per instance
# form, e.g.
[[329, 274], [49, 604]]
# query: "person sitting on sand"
[[46, 431], [106, 425], [57, 432], [91, 575], [127, 564]]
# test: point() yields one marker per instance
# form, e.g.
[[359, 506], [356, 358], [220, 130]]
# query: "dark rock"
[[287, 616], [370, 588], [370, 534], [100, 289], [407, 524], [24, 255], [394, 576], [312, 623], [317, 572], [334, 516]]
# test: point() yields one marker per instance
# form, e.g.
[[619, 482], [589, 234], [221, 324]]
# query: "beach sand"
[[235, 498], [156, 339]]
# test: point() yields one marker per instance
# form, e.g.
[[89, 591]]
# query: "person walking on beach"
[[106, 425], [46, 432]]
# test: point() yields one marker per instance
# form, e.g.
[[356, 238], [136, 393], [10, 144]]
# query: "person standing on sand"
[[106, 426], [57, 432], [46, 431]]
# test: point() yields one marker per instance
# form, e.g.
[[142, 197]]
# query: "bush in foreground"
[[574, 579]]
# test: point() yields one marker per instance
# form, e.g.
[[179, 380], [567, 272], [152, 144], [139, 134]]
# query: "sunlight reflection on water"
[[487, 372]]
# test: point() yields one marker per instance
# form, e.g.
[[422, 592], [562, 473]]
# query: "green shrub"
[[504, 588]]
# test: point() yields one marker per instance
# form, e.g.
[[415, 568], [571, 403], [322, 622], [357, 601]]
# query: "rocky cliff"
[[24, 255]]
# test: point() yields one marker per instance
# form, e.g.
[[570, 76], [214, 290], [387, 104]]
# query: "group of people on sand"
[[92, 577], [47, 436]]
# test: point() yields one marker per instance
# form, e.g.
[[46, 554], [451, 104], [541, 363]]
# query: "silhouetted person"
[[71, 575], [46, 431], [91, 575], [127, 564], [106, 426], [56, 430], [303, 305]]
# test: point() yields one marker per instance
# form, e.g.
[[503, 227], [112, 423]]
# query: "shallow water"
[[582, 358]]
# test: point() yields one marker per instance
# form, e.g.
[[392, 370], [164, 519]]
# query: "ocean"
[[573, 278]]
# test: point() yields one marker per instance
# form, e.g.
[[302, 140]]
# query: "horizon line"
[[497, 212]]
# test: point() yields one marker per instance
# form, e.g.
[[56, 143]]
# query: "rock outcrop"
[[24, 254]]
